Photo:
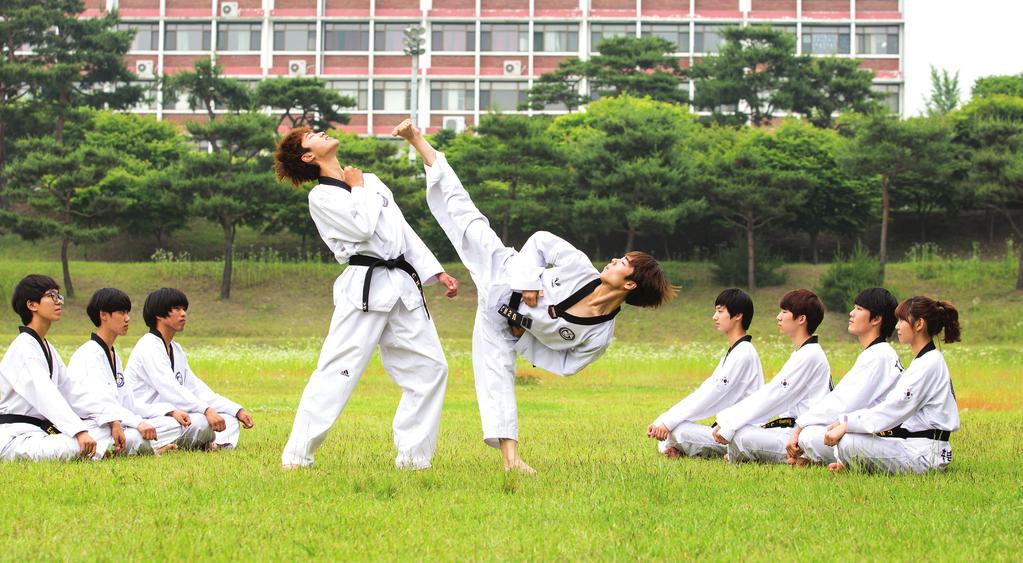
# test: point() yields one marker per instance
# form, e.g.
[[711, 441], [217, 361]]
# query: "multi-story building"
[[479, 54]]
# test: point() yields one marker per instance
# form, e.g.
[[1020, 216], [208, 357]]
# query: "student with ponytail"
[[910, 429]]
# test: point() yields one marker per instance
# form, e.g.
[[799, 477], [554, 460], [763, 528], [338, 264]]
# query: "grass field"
[[601, 493]]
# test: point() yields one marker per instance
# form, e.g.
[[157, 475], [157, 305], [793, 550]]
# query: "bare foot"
[[167, 448], [520, 466], [405, 130], [211, 447], [671, 452], [836, 468], [798, 462], [291, 466]]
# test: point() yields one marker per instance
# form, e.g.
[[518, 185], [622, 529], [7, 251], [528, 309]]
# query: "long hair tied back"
[[939, 315]]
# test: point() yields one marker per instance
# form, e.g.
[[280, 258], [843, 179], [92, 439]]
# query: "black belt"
[[399, 263], [511, 312], [900, 432], [787, 422], [41, 423]]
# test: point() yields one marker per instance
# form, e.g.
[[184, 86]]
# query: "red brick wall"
[[626, 5], [676, 7], [239, 64], [138, 8], [346, 5], [877, 5], [280, 64], [188, 7], [501, 4], [542, 65], [383, 124], [176, 63], [880, 64], [346, 64], [295, 5], [773, 8], [839, 6], [398, 64], [556, 5], [444, 64], [494, 65]]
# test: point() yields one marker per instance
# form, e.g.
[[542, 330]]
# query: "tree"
[[944, 92], [820, 87], [1007, 85], [206, 88], [303, 102]]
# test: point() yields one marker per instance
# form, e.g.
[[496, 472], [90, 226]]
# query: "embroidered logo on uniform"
[[724, 381], [557, 282], [119, 379], [898, 366], [180, 377], [946, 456], [909, 393], [785, 383], [566, 333], [386, 202], [344, 372]]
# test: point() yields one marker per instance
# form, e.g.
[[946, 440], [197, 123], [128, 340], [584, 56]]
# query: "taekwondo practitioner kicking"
[[736, 376], [359, 220], [910, 429], [872, 376], [95, 385], [36, 422], [158, 372], [562, 318], [757, 427]]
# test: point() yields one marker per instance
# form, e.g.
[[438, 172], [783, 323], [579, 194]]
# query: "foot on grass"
[[164, 449], [671, 452], [291, 466], [798, 462], [519, 466], [836, 468]]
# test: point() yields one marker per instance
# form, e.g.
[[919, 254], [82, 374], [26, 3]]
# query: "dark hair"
[[107, 300], [652, 287], [30, 288], [937, 314], [160, 302], [736, 302], [802, 302], [288, 163], [881, 303]]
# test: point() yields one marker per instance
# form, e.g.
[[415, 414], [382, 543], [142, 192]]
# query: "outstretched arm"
[[414, 136]]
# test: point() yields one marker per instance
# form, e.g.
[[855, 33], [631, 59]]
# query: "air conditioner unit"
[[455, 122], [144, 69], [512, 68], [296, 67], [228, 9]]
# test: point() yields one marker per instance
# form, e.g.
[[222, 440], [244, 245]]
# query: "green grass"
[[602, 492]]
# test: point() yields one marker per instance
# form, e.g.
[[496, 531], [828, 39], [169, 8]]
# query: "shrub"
[[730, 266], [847, 276]]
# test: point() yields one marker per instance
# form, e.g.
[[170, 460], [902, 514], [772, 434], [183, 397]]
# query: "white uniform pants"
[[811, 440], [167, 431], [411, 355], [893, 455], [693, 440], [26, 441], [196, 436], [227, 438], [753, 443], [493, 346]]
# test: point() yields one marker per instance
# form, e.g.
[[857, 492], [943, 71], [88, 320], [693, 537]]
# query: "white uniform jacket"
[[158, 377], [802, 381], [367, 221], [872, 376], [95, 387], [27, 387], [922, 399], [736, 376]]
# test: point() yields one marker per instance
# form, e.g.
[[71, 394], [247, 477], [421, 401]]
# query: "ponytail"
[[939, 315], [950, 321]]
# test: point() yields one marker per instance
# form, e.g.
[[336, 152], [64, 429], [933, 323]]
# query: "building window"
[[452, 96], [294, 36], [390, 36], [148, 100], [358, 90], [504, 37], [826, 40], [890, 96], [239, 36], [555, 38], [708, 38], [179, 103], [676, 33], [602, 31], [503, 96], [187, 37], [346, 37], [391, 95], [147, 35], [453, 37], [877, 40]]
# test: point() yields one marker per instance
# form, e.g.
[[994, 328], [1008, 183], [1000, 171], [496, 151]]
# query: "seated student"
[[873, 374], [95, 383], [803, 380], [560, 318], [36, 422], [909, 430], [738, 374], [158, 371]]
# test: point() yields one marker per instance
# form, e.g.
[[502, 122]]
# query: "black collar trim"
[[109, 351], [878, 340], [334, 182], [42, 344], [166, 345], [559, 309], [746, 338], [811, 340], [930, 346]]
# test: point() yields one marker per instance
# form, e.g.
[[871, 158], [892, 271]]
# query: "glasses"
[[55, 296]]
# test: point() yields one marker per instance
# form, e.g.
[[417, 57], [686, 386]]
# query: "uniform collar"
[[334, 182], [559, 309], [878, 340], [39, 339], [166, 345], [746, 338], [930, 346], [107, 351], [811, 340]]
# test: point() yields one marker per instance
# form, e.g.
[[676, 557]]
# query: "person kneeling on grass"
[[872, 376], [737, 375], [757, 427], [910, 429], [560, 318], [158, 372], [36, 421], [95, 384]]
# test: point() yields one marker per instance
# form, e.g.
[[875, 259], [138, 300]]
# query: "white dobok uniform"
[[554, 339], [27, 389], [366, 222], [872, 376], [909, 430], [155, 375], [95, 389], [803, 380], [737, 375]]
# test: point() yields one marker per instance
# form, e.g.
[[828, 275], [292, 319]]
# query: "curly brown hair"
[[288, 163]]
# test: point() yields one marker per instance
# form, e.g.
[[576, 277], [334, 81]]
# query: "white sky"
[[975, 37]]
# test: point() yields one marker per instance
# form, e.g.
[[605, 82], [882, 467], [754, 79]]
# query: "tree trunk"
[[630, 240], [58, 133], [751, 276], [990, 227], [883, 254], [813, 247], [225, 282], [69, 288]]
